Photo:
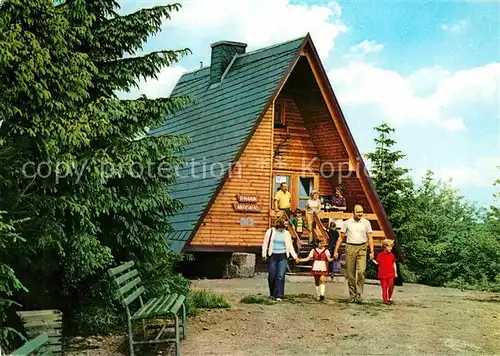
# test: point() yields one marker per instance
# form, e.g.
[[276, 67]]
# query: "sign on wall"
[[247, 198], [246, 222], [247, 204], [246, 208]]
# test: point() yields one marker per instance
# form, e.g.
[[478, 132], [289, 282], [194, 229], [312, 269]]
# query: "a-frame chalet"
[[261, 118]]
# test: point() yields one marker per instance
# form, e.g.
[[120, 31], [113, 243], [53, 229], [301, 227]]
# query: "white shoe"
[[279, 299]]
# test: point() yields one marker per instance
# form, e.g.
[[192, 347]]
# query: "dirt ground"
[[423, 321]]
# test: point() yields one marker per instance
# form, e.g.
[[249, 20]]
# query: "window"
[[306, 187], [278, 179], [279, 114]]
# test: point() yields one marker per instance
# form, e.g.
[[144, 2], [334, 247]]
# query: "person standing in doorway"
[[283, 200], [276, 249], [357, 231]]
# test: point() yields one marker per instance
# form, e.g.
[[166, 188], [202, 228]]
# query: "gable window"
[[279, 114]]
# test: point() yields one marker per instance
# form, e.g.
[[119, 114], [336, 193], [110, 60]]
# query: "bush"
[[408, 275], [480, 285]]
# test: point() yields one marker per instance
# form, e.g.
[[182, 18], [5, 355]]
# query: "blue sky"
[[431, 69]]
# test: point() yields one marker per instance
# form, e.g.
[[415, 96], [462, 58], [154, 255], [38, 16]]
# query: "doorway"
[[300, 186]]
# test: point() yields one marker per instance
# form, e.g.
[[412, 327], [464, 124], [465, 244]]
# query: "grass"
[[208, 300], [202, 299], [257, 299]]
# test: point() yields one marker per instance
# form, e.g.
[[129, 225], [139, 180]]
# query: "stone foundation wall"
[[241, 265]]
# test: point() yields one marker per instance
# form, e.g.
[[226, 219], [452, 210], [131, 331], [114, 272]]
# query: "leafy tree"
[[94, 188], [445, 239], [437, 222]]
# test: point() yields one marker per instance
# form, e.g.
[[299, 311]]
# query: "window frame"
[[279, 122]]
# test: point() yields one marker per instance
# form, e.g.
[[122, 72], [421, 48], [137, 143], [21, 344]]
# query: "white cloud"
[[394, 96], [258, 23], [363, 49], [481, 173], [156, 88], [425, 81], [456, 27]]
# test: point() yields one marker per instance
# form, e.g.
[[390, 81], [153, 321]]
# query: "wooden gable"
[[222, 225]]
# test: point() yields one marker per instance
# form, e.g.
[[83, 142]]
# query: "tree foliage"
[[93, 194], [8, 281], [394, 187], [445, 239]]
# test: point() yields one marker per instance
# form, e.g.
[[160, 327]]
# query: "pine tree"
[[95, 189], [391, 181]]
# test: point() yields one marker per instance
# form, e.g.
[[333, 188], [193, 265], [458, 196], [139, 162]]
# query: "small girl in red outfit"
[[387, 271], [320, 255]]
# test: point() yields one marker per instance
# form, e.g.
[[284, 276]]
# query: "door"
[[299, 185]]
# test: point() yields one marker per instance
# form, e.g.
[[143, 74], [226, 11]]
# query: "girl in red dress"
[[320, 255], [387, 271]]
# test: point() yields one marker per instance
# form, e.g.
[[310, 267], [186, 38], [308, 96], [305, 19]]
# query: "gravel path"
[[423, 321]]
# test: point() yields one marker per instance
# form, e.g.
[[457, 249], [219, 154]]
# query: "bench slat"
[[123, 278], [144, 312], [149, 304], [165, 306], [127, 287], [114, 271], [32, 345], [134, 295], [175, 308]]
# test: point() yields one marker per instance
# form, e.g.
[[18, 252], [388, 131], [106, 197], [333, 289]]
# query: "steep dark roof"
[[218, 124]]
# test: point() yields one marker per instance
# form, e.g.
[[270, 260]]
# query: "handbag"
[[269, 242]]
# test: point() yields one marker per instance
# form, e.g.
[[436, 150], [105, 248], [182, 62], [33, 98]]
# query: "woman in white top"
[[276, 248], [313, 205]]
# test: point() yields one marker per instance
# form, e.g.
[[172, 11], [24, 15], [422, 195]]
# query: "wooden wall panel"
[[221, 226], [293, 145], [325, 137], [325, 186]]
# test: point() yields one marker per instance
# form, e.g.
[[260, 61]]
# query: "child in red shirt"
[[387, 271]]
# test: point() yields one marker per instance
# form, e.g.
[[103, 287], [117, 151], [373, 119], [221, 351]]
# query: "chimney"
[[222, 54]]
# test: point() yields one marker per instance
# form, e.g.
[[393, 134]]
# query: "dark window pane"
[[306, 186]]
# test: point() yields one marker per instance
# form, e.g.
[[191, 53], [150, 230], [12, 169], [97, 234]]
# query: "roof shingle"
[[218, 123]]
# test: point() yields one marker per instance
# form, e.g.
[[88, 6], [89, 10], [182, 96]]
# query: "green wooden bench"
[[35, 346], [169, 306], [36, 322]]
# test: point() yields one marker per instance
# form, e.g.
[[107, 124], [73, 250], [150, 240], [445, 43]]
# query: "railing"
[[293, 232], [320, 227], [378, 235]]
